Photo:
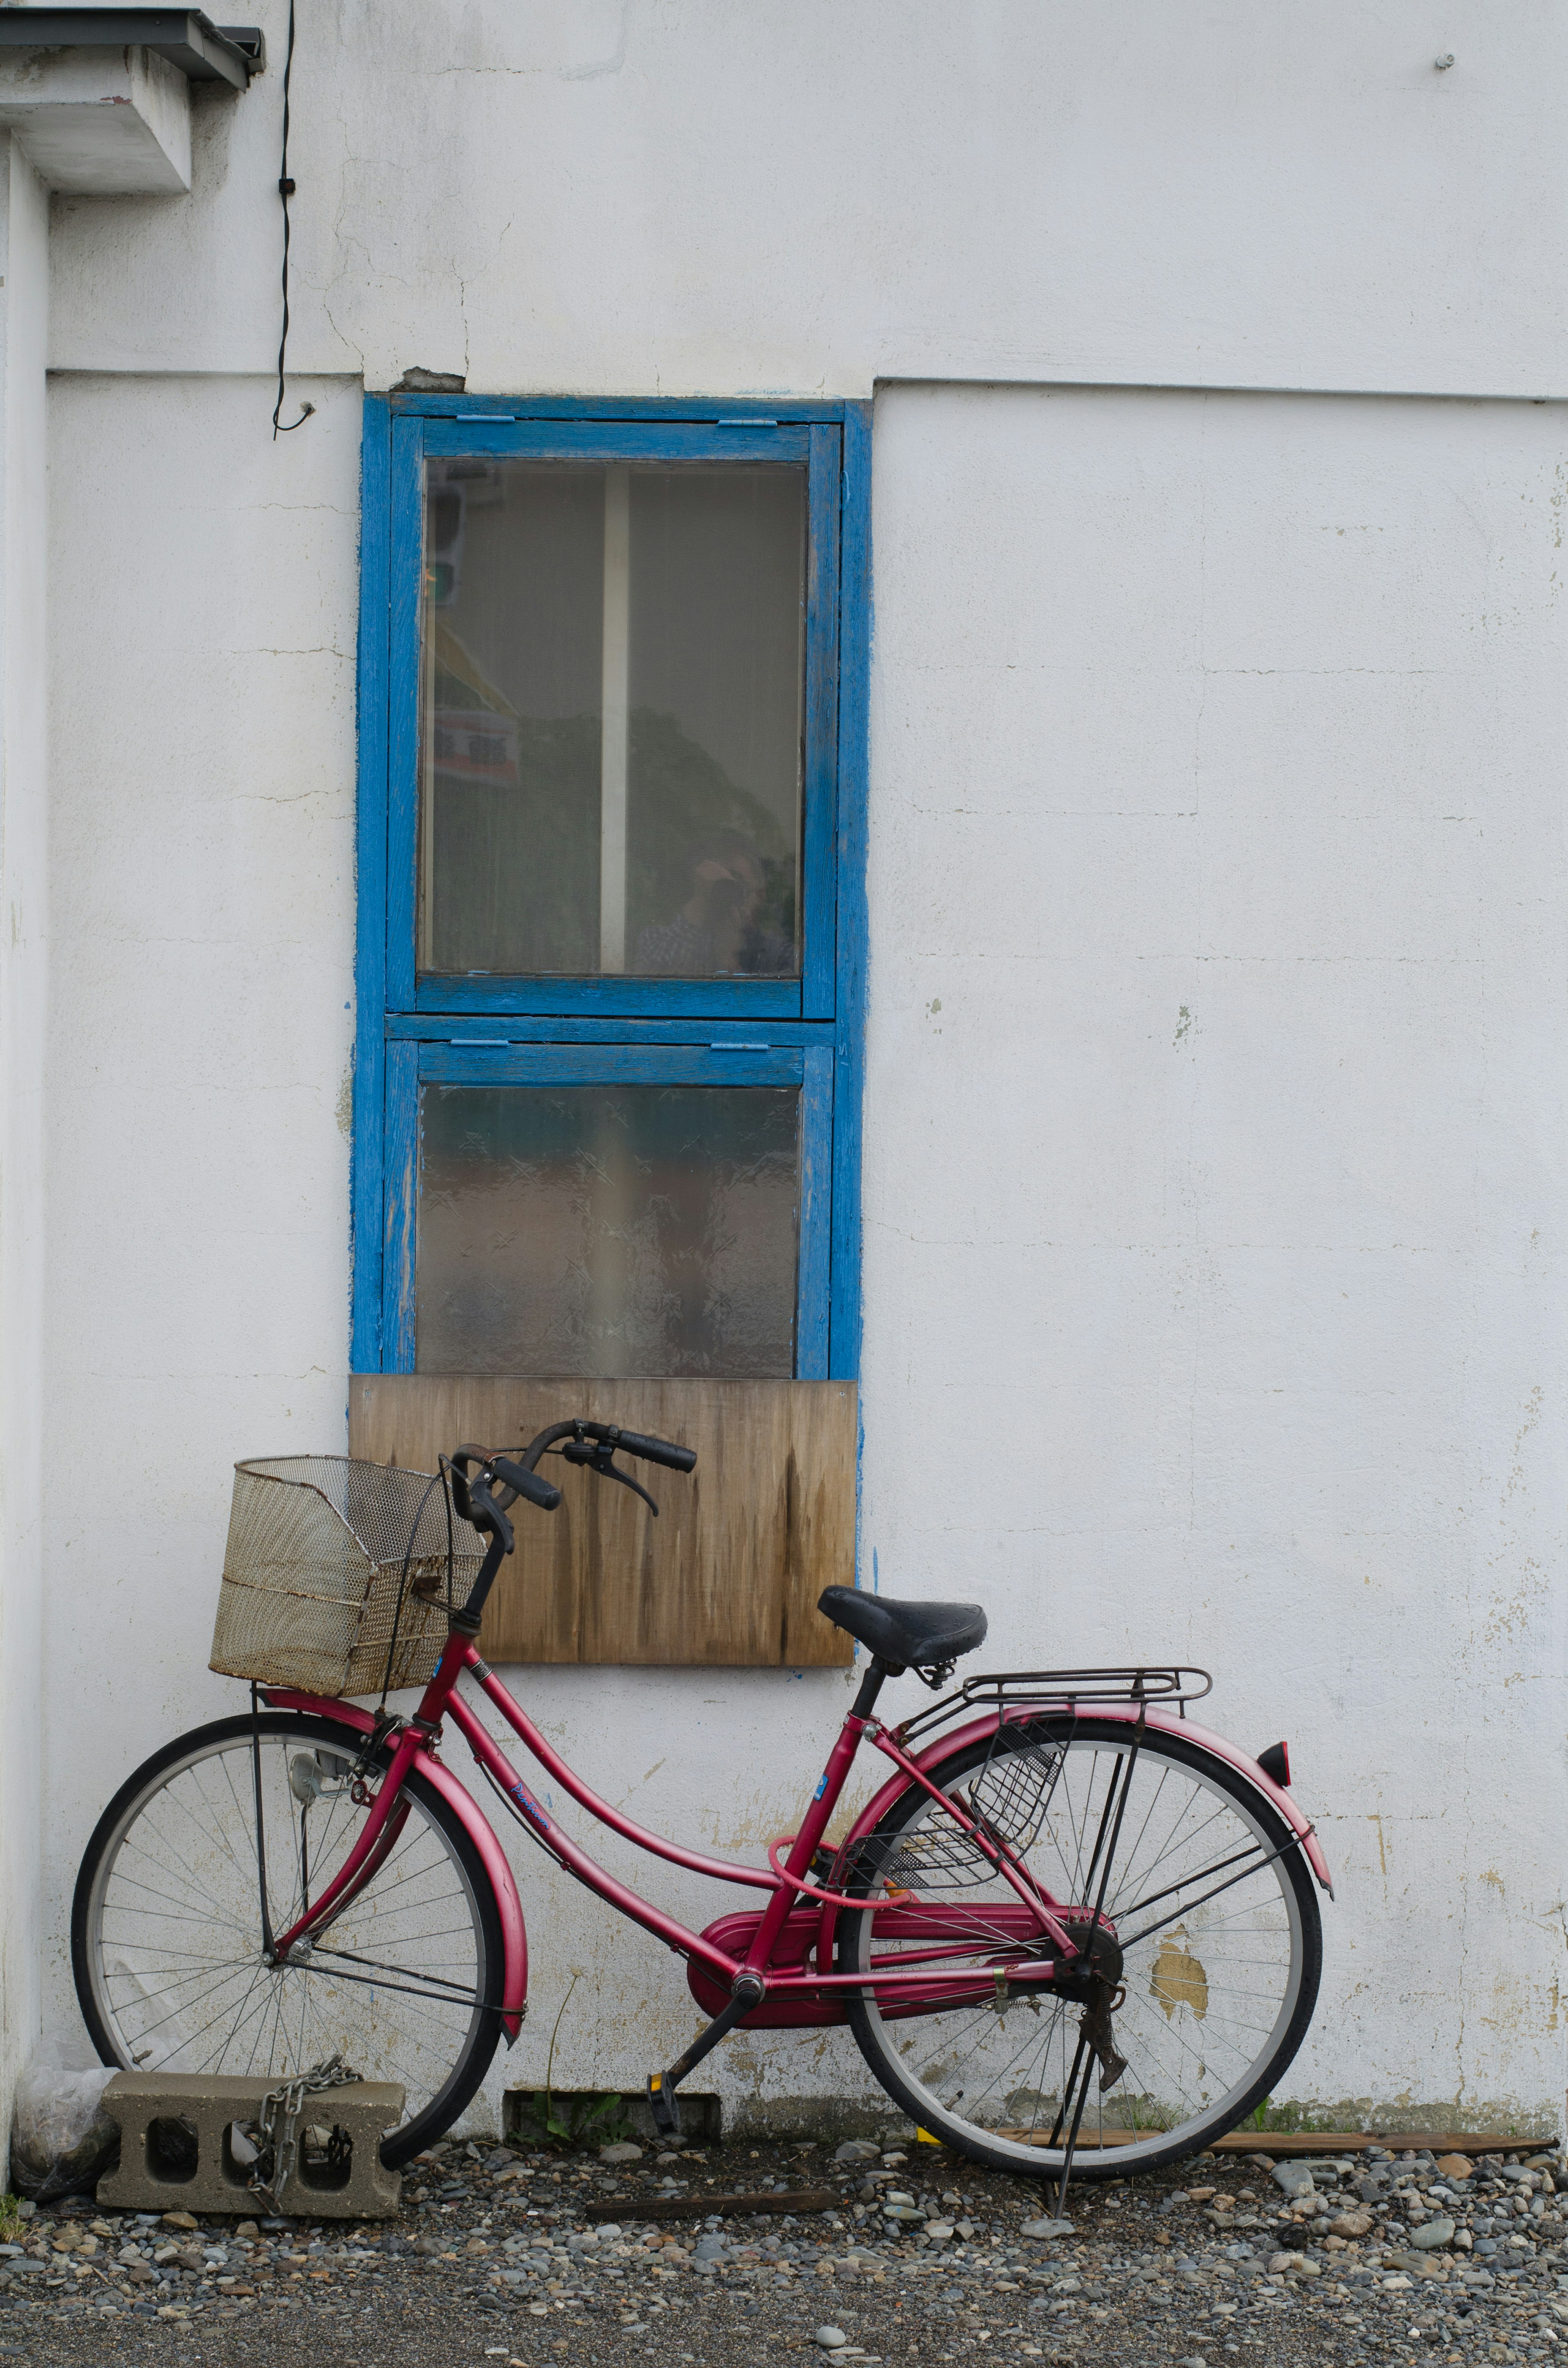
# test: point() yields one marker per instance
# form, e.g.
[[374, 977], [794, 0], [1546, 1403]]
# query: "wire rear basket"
[[1007, 1799], [336, 1575], [1010, 1795]]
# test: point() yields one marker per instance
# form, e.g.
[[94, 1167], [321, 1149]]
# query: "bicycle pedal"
[[663, 2106]]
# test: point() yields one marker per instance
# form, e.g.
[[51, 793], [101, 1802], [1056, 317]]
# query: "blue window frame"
[[420, 1030]]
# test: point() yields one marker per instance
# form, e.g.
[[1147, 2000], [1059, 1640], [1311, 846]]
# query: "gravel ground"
[[1390, 2257]]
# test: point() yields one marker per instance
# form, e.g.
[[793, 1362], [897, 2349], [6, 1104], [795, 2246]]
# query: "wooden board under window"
[[727, 1577]]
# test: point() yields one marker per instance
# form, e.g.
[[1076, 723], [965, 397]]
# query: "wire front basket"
[[338, 1575]]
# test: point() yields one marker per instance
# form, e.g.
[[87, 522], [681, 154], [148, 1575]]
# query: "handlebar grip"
[[658, 1451], [488, 1518], [524, 1482]]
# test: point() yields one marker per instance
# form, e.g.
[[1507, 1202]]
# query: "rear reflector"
[[1275, 1763]]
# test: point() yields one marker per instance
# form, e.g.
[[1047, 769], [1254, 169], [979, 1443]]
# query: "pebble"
[[488, 2237], [858, 2150], [624, 2151]]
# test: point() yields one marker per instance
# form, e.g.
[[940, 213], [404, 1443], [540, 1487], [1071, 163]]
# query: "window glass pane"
[[611, 712], [601, 1229], [512, 614]]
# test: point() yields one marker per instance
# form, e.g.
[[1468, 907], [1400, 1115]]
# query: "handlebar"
[[482, 1494], [484, 1506], [524, 1482], [608, 1436], [500, 1480], [652, 1451]]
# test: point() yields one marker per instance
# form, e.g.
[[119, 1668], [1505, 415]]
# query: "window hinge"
[[495, 419], [745, 422], [728, 1044], [490, 1043]]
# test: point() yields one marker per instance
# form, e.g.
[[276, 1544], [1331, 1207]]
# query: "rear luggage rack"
[[1014, 1690]]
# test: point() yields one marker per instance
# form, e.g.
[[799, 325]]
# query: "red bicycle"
[[1071, 1922]]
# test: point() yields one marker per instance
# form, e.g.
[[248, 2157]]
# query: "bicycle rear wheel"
[[165, 1927], [1210, 1900]]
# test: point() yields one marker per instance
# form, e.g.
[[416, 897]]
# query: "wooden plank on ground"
[[1283, 2143], [727, 1577]]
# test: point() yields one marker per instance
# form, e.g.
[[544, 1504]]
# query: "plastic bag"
[[61, 2138]]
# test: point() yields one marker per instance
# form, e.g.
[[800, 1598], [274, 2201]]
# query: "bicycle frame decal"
[[530, 1807]]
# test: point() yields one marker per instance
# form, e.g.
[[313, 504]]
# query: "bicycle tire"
[[1180, 1987], [113, 1990]]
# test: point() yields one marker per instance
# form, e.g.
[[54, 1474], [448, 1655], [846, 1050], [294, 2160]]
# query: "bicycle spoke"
[[400, 1993], [1206, 1956]]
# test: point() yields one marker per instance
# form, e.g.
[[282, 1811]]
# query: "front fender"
[[1161, 1721], [514, 1936]]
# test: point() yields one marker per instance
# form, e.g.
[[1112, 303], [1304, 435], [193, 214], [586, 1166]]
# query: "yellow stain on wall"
[[1178, 1978]]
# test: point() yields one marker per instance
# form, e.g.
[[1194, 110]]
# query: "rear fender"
[[1157, 1722], [514, 1936]]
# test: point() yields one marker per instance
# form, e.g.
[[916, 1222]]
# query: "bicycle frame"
[[794, 1990]]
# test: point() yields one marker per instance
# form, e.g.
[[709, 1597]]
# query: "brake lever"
[[601, 1459]]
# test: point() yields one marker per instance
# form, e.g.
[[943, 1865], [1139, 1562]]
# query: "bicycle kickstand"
[[663, 2102]]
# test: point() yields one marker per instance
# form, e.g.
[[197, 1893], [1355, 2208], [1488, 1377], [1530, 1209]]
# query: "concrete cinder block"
[[148, 2179]]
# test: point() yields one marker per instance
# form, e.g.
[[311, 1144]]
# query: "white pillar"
[[23, 308]]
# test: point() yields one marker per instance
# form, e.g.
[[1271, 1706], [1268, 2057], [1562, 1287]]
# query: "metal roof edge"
[[190, 40]]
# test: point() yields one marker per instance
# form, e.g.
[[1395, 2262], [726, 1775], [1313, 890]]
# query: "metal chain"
[[277, 2125]]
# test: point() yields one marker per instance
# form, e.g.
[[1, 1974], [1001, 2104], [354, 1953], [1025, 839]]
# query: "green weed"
[[589, 2118]]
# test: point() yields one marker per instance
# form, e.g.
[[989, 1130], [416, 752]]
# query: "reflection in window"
[[594, 1230], [612, 700]]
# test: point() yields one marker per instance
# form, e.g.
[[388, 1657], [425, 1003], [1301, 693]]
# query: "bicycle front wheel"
[[165, 1929], [1210, 1905]]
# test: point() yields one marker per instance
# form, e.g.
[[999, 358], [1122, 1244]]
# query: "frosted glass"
[[608, 1230], [611, 717]]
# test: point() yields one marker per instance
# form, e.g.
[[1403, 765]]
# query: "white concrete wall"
[[24, 943], [1215, 1125], [205, 599], [723, 195], [204, 602], [1214, 1144]]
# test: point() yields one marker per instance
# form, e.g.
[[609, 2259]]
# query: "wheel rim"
[[1213, 1987], [173, 1927]]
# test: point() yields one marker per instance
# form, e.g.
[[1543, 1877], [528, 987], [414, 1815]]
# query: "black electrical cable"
[[286, 190]]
